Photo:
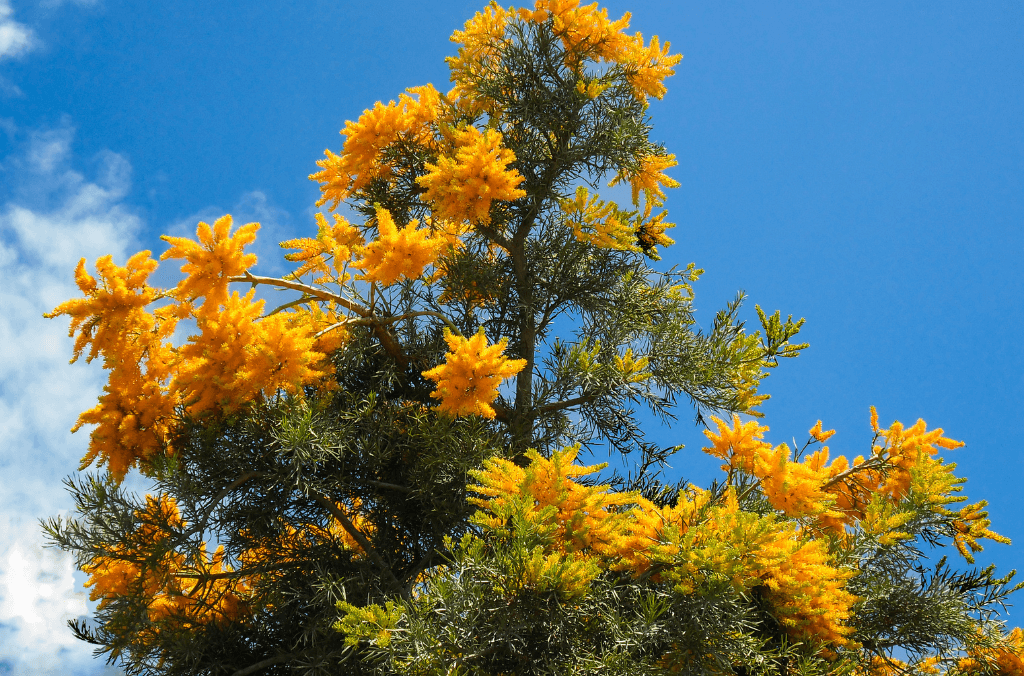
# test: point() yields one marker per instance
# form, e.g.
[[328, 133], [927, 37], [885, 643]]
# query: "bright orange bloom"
[[133, 413], [212, 260], [399, 253], [360, 161], [170, 598], [467, 383], [337, 243], [462, 188], [236, 356]]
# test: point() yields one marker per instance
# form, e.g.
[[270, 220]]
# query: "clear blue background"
[[857, 164]]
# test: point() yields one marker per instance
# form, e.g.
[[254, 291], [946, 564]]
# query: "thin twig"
[[393, 487], [300, 301], [870, 463], [385, 338], [228, 574], [448, 322]]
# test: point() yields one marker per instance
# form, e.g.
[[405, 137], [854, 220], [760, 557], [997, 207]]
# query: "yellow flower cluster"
[[209, 262], [360, 161], [581, 517], [467, 383], [461, 188], [688, 545], [235, 356], [586, 33], [649, 177], [133, 412], [399, 253], [478, 41], [598, 222]]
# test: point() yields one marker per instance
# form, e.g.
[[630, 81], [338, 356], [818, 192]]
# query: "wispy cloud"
[[15, 38], [56, 216]]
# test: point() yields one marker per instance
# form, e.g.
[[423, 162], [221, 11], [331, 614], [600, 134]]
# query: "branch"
[[558, 406], [500, 412], [385, 338], [449, 323], [338, 325], [250, 278], [421, 566], [253, 668], [495, 236], [228, 574], [393, 487], [356, 535], [301, 301]]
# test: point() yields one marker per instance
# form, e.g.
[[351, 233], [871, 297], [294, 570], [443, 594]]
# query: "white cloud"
[[43, 233], [15, 38]]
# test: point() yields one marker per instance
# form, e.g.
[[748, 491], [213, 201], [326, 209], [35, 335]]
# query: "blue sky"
[[857, 164]]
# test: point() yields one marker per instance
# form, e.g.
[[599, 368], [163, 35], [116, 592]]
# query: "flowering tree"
[[386, 465]]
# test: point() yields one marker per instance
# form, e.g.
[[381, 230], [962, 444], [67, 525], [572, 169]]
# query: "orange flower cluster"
[[688, 545], [587, 33], [291, 539], [186, 594], [336, 244], [399, 253], [467, 383], [869, 493], [478, 42], [176, 592], [360, 161], [236, 355], [133, 413], [1007, 659], [462, 188]]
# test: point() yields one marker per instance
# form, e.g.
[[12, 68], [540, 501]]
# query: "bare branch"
[[250, 278], [568, 403]]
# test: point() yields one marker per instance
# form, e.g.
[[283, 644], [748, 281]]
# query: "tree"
[[387, 462]]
